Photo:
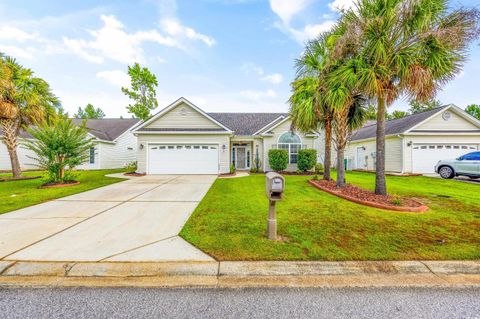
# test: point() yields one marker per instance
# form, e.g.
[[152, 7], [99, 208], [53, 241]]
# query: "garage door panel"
[[183, 159], [425, 156]]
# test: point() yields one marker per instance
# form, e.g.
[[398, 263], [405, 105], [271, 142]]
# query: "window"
[[292, 144], [248, 158], [92, 155], [475, 156], [233, 156]]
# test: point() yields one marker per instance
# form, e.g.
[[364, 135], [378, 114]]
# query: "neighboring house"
[[183, 139], [415, 143], [115, 145]]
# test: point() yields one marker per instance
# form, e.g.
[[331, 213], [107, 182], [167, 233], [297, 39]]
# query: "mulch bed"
[[54, 185], [21, 178], [134, 174], [368, 198], [389, 174], [297, 173], [227, 174]]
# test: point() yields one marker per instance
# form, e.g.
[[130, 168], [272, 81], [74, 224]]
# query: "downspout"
[[402, 152]]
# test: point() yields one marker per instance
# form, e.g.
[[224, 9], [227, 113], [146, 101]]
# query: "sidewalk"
[[242, 274]]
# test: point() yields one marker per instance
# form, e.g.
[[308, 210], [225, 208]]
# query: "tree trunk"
[[380, 182], [327, 163], [10, 139], [340, 167]]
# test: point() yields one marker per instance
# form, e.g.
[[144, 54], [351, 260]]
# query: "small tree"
[[397, 115], [90, 112], [419, 106], [278, 159], [60, 147], [473, 110], [142, 91], [306, 159]]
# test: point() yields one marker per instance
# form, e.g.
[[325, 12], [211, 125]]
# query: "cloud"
[[18, 52], [115, 77], [275, 78], [252, 68], [339, 5], [112, 42], [258, 95], [286, 10], [12, 33]]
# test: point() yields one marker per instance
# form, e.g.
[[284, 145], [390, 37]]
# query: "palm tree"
[[24, 100], [401, 48], [307, 110]]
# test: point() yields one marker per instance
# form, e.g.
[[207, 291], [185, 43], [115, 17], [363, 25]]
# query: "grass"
[[18, 194], [230, 222]]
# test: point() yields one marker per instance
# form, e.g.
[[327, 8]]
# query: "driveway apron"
[[136, 220]]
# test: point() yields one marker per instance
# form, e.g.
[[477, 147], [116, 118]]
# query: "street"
[[240, 303]]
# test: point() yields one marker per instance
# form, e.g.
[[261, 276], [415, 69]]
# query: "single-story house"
[[415, 143], [114, 147], [183, 139]]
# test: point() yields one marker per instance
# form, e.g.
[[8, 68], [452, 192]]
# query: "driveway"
[[135, 220]]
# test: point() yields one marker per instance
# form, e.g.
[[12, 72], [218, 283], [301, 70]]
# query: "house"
[[183, 139], [415, 143], [115, 145]]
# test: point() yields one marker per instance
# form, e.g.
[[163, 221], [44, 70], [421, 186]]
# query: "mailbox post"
[[275, 186]]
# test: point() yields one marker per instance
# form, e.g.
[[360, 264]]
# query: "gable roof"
[[142, 126], [397, 126], [246, 123], [102, 129]]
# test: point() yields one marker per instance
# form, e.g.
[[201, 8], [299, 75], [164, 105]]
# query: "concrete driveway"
[[135, 220]]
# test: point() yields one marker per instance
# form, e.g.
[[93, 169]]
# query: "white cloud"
[[18, 52], [12, 33], [286, 9], [275, 78], [115, 77], [252, 68], [175, 29], [111, 41], [339, 5], [258, 95]]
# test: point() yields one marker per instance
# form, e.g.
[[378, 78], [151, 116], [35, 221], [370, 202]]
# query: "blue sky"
[[223, 55]]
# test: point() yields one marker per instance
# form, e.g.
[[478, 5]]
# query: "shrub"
[[232, 169], [60, 146], [131, 167], [319, 168], [306, 159], [278, 159]]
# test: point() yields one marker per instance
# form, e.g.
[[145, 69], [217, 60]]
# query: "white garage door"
[[425, 156], [183, 159]]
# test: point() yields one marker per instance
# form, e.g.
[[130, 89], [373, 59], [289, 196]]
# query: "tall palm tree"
[[24, 100], [307, 110], [402, 48]]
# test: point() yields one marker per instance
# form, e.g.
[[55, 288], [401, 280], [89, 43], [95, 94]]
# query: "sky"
[[222, 55]]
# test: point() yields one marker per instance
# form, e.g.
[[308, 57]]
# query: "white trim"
[[175, 104], [456, 109], [127, 131], [276, 124], [219, 149], [180, 132], [266, 126], [246, 148], [289, 144]]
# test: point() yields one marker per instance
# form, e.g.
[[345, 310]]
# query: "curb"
[[242, 274]]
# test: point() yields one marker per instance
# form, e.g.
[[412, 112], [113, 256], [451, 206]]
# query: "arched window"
[[292, 143]]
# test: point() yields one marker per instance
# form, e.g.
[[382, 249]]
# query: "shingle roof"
[[397, 126], [104, 129], [179, 129], [246, 123]]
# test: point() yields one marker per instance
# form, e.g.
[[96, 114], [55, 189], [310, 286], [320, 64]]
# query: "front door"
[[240, 157], [361, 163]]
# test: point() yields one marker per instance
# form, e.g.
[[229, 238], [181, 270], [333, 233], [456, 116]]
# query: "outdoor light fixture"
[[141, 146], [224, 147], [409, 143]]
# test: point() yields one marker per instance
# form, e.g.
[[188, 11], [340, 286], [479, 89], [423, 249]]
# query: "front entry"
[[240, 156]]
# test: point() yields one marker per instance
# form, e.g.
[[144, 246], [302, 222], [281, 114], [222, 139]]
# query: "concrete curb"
[[242, 274]]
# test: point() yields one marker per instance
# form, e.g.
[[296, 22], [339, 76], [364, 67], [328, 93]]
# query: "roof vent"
[[183, 111]]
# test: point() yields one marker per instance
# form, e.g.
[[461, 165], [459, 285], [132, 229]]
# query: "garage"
[[182, 159], [425, 156]]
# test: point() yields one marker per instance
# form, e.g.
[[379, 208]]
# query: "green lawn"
[[230, 222], [19, 194]]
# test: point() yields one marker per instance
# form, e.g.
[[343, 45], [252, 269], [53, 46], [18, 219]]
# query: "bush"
[[319, 168], [131, 167], [59, 146], [306, 159], [232, 169], [278, 159]]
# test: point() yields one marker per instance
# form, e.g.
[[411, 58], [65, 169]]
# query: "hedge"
[[278, 159], [306, 159]]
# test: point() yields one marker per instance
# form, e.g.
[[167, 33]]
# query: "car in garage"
[[465, 165]]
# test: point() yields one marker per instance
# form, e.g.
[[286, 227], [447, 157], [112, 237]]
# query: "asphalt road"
[[239, 303]]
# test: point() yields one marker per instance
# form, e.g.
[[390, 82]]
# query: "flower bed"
[[368, 198], [134, 174], [54, 185]]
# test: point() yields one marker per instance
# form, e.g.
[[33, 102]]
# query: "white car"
[[466, 165]]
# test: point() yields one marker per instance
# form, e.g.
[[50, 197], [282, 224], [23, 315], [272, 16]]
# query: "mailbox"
[[275, 186]]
